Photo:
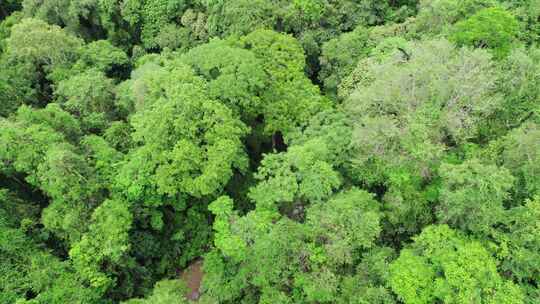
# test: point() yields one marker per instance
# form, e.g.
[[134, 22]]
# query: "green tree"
[[519, 241], [410, 107], [28, 274], [235, 76], [164, 292], [152, 15], [106, 243], [41, 44], [472, 195], [519, 85], [35, 54], [261, 256], [527, 13], [90, 97], [189, 142], [36, 147], [297, 177], [290, 99], [437, 16], [517, 151], [492, 28], [443, 265], [187, 146], [340, 55], [78, 17], [102, 56]]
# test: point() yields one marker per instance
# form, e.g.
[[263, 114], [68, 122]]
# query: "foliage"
[[518, 242], [408, 112], [340, 54], [165, 292], [189, 143], [235, 76], [90, 97], [105, 243], [443, 265], [290, 98], [492, 28], [303, 151], [437, 16], [304, 258], [472, 195]]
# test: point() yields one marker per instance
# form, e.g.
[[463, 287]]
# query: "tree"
[[235, 76], [492, 28], [527, 13], [6, 25], [438, 16], [90, 97], [340, 55], [350, 221], [189, 142], [290, 99], [472, 195], [518, 240], [77, 16], [240, 17], [187, 146], [165, 292], [29, 274], [35, 54], [106, 243], [152, 15], [519, 85], [192, 31], [517, 151], [443, 265], [102, 56], [41, 44], [36, 148], [407, 113], [283, 260], [297, 177], [302, 151]]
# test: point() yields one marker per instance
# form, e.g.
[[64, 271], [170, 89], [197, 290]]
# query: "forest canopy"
[[284, 151]]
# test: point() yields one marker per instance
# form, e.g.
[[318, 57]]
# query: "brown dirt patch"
[[192, 276]]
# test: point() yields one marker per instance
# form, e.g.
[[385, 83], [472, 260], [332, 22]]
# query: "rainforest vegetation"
[[298, 151]]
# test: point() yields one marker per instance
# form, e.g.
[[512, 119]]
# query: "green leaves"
[[261, 252], [230, 245], [90, 97], [35, 41], [436, 16], [289, 98], [106, 243], [27, 269], [312, 151], [191, 143], [235, 76], [102, 56], [348, 222], [472, 195], [492, 28], [443, 265], [340, 55], [164, 292], [301, 173]]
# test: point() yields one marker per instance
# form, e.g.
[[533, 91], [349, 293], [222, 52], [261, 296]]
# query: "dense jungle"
[[269, 151]]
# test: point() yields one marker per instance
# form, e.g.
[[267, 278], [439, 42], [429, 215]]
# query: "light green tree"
[[492, 28], [443, 265], [472, 195]]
